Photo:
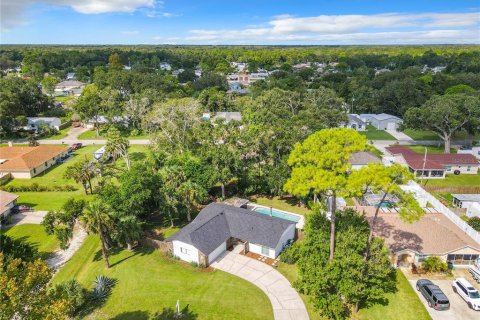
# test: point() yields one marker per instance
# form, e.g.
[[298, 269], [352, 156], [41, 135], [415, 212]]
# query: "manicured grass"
[[63, 98], [148, 281], [373, 134], [451, 180], [49, 200], [430, 135], [35, 235], [285, 204], [91, 135], [402, 305], [430, 149], [60, 134]]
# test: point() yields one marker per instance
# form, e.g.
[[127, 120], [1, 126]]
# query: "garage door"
[[391, 126]]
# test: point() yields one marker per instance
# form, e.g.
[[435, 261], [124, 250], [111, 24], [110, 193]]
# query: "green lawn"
[[60, 134], [430, 135], [35, 235], [373, 134], [430, 149], [63, 98], [148, 282], [91, 135], [402, 305], [285, 204], [51, 200], [451, 180]]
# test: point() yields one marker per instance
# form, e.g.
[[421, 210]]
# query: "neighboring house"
[[475, 151], [70, 87], [434, 166], [301, 66], [355, 123], [228, 116], [361, 159], [27, 162], [243, 77], [165, 66], [70, 76], [177, 72], [380, 71], [470, 202], [240, 66], [235, 87], [121, 120], [255, 76], [219, 226], [433, 235], [382, 121], [7, 202], [34, 123]]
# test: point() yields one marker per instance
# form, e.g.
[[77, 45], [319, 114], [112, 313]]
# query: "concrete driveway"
[[29, 217], [286, 302], [458, 307]]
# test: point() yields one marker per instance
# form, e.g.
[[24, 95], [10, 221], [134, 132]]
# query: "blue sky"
[[239, 22]]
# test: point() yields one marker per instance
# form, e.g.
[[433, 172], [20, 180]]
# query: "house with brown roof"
[[7, 202], [433, 235], [27, 162], [434, 166]]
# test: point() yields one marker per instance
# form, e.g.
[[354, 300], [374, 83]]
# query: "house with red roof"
[[434, 166]]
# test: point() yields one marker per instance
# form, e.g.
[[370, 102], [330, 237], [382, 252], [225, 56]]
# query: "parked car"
[[467, 292], [77, 124], [433, 294], [75, 146], [22, 208]]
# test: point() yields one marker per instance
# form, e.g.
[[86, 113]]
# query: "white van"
[[467, 292]]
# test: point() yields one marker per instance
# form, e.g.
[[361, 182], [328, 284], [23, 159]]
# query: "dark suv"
[[435, 297]]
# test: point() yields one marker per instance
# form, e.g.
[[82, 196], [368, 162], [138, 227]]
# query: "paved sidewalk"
[[286, 302], [399, 135]]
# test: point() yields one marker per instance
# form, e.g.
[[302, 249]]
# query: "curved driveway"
[[286, 302]]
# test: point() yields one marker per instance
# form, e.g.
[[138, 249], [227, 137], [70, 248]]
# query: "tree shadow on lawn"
[[167, 314], [137, 156], [132, 315], [384, 301], [142, 251]]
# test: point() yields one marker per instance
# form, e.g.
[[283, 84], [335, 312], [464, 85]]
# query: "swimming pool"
[[277, 214]]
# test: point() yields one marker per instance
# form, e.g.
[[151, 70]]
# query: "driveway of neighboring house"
[[399, 135], [29, 217], [459, 309], [286, 302]]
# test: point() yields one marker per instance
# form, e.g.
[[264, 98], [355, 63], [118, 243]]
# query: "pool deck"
[[299, 224]]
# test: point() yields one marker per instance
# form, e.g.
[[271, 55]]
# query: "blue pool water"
[[277, 214]]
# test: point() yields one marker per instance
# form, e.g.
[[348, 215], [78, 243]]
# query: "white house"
[[218, 226], [471, 202], [382, 121], [34, 123], [354, 122], [70, 76], [165, 66], [70, 87]]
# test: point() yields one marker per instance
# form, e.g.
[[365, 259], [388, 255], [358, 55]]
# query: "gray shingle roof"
[[218, 222]]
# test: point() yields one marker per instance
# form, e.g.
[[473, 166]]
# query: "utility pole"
[[424, 162]]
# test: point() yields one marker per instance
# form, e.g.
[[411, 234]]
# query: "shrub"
[[291, 254], [134, 133], [434, 264], [35, 187], [474, 222]]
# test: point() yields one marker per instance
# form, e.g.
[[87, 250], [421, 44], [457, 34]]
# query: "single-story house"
[[219, 226], [7, 202], [471, 202], [433, 235], [362, 158], [434, 166], [165, 66], [33, 123], [70, 76], [27, 162], [100, 120], [227, 116], [382, 121], [355, 123], [70, 87]]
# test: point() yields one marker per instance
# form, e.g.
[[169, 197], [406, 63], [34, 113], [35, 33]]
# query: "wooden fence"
[[163, 246]]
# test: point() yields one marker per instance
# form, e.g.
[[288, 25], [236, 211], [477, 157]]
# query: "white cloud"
[[13, 11], [354, 29]]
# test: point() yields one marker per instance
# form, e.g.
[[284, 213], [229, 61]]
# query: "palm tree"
[[192, 195], [117, 146], [81, 172], [130, 230], [97, 219]]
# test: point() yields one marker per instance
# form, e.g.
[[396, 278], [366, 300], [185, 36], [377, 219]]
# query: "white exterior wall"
[[215, 253], [464, 169], [190, 256], [473, 210], [256, 248], [475, 152], [21, 175], [287, 235]]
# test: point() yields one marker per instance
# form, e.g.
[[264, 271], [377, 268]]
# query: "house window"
[[449, 168], [464, 259], [34, 170], [46, 164], [422, 257], [468, 168], [184, 250], [265, 250]]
